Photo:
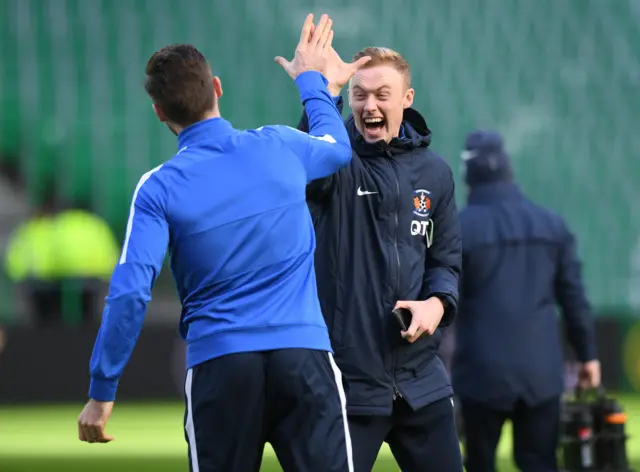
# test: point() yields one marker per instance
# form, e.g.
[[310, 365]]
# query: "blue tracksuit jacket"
[[230, 206]]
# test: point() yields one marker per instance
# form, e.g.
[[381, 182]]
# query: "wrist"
[[441, 299], [103, 390], [334, 89], [99, 403], [310, 85]]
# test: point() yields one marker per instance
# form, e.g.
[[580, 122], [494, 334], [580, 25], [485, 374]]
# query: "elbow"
[[128, 297], [127, 307]]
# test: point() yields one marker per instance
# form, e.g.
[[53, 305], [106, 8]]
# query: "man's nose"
[[371, 104]]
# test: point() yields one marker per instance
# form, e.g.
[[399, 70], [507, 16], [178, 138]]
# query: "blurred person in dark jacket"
[[519, 263]]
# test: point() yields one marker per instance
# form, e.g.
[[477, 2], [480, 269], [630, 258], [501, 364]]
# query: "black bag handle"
[[598, 392]]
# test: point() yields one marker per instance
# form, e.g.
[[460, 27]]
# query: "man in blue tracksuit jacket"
[[519, 262], [388, 235], [230, 205]]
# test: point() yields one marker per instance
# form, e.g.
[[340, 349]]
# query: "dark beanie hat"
[[485, 159]]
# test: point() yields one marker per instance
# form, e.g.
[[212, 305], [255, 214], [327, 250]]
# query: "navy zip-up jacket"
[[519, 263], [231, 208], [374, 220]]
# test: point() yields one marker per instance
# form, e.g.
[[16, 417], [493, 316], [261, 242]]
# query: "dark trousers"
[[535, 435], [421, 441], [291, 398]]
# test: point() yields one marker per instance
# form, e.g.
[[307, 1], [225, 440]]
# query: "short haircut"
[[179, 81], [388, 57]]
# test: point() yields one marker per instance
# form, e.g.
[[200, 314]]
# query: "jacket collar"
[[414, 133], [203, 129], [494, 192]]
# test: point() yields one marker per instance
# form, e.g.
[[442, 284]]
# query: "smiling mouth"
[[374, 124]]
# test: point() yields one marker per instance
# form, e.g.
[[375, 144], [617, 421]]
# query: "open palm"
[[339, 72]]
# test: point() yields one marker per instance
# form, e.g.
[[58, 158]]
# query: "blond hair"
[[388, 57]]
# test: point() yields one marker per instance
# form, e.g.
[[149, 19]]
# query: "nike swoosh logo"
[[364, 192]]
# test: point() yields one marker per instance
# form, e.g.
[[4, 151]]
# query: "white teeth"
[[373, 120]]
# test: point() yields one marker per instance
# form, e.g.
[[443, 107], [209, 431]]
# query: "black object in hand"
[[403, 315]]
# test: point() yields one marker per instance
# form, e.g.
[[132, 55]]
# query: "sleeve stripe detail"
[[132, 211], [327, 138]]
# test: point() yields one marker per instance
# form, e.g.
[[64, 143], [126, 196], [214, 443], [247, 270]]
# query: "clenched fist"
[[93, 420]]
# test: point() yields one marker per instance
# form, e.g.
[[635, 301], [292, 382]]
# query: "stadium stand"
[[544, 73]]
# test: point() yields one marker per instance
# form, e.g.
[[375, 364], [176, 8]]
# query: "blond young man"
[[388, 237]]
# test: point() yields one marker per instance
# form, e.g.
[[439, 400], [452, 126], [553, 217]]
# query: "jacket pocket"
[[415, 357]]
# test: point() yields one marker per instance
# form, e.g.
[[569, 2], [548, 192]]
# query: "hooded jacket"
[[520, 263], [387, 229]]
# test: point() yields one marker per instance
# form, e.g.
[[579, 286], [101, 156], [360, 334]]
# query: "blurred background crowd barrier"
[[558, 78]]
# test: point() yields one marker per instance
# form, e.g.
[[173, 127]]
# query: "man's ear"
[[217, 87], [408, 98], [159, 114]]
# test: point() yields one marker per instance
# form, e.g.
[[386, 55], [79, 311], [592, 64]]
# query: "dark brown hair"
[[179, 81]]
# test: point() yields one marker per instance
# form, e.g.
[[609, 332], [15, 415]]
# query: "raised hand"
[[313, 50], [339, 72]]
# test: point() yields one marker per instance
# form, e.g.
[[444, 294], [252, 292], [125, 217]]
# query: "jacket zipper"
[[396, 391]]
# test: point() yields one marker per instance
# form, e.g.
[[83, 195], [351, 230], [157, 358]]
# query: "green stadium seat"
[[558, 79]]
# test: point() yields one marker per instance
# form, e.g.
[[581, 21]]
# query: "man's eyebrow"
[[379, 89]]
